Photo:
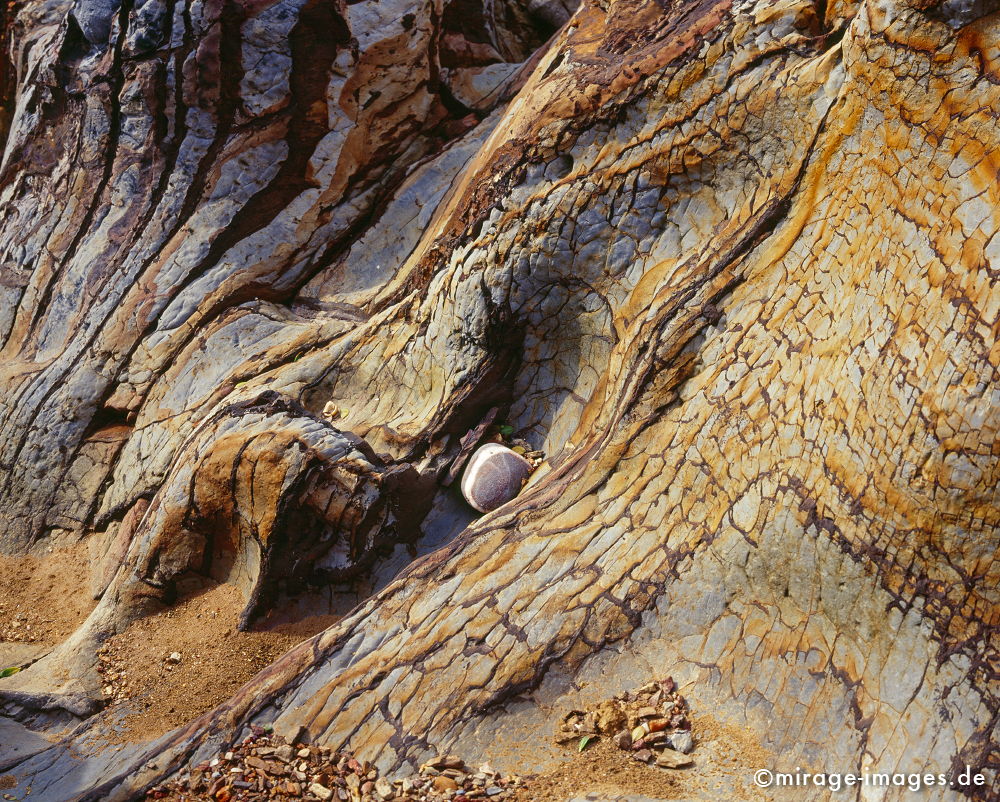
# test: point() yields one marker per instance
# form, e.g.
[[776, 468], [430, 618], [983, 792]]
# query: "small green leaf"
[[506, 431], [586, 739], [9, 672]]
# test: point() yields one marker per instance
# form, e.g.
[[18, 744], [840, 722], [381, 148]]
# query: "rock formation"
[[731, 265]]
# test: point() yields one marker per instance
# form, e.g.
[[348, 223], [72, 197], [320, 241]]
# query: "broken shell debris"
[[495, 474], [650, 722], [332, 412]]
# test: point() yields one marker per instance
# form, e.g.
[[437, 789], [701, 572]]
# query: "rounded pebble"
[[494, 476]]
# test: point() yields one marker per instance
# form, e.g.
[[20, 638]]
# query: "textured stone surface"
[[731, 265], [94, 18]]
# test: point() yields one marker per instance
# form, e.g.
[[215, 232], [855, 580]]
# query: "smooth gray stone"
[[20, 654], [57, 774], [18, 743]]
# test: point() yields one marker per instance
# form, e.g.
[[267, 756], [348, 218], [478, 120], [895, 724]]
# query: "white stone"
[[682, 741]]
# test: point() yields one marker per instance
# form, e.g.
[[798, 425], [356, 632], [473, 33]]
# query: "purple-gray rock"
[[494, 476]]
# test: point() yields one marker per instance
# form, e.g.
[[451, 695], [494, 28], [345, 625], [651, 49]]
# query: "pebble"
[[320, 791], [175, 658], [443, 783], [669, 759], [623, 740], [656, 740], [494, 475], [682, 742]]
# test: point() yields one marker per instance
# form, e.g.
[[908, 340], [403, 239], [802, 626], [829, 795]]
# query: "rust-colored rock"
[[731, 266]]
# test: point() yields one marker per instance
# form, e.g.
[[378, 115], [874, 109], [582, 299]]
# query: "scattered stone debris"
[[16, 627], [111, 667], [265, 766], [504, 435], [523, 447], [650, 722]]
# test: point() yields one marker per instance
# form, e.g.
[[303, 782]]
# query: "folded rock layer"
[[731, 266]]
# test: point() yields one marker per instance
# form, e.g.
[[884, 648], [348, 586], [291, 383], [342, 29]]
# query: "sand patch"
[[155, 692]]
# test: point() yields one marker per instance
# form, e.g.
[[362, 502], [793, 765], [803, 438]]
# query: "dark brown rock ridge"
[[731, 266]]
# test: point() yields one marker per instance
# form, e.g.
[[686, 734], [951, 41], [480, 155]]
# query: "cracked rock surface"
[[730, 265]]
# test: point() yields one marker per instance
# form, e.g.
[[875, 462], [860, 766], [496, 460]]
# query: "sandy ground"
[[725, 757], [154, 695], [42, 599], [603, 767]]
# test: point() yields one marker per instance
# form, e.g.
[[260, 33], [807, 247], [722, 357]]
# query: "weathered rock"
[[94, 18], [609, 717], [682, 741], [320, 791], [494, 475], [383, 788], [670, 759], [731, 267], [443, 784]]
